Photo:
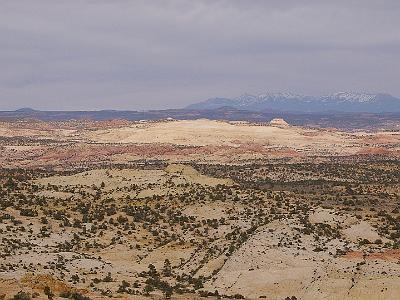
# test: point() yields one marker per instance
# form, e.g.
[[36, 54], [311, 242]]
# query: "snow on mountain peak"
[[284, 95], [248, 98], [353, 97], [341, 101]]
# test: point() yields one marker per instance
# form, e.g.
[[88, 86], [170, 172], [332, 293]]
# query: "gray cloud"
[[93, 54]]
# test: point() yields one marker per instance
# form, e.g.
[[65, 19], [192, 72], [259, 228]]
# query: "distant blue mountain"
[[25, 110], [342, 101]]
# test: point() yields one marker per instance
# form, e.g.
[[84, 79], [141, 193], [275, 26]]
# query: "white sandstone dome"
[[278, 122]]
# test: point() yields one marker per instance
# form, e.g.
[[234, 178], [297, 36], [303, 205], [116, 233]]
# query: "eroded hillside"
[[191, 209]]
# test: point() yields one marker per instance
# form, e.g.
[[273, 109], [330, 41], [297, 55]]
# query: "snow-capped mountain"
[[341, 101], [352, 97]]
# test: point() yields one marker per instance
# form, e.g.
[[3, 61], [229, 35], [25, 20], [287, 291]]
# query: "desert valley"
[[193, 209], [192, 150]]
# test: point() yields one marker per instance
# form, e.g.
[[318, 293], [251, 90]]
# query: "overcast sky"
[[122, 54]]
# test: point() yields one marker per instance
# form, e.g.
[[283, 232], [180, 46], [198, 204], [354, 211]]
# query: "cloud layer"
[[121, 54]]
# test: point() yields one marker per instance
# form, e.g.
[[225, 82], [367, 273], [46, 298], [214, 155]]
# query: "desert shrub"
[[22, 296], [73, 295]]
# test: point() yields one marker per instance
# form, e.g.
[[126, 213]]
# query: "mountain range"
[[341, 101]]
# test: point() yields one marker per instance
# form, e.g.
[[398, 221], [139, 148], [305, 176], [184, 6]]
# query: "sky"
[[139, 55]]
